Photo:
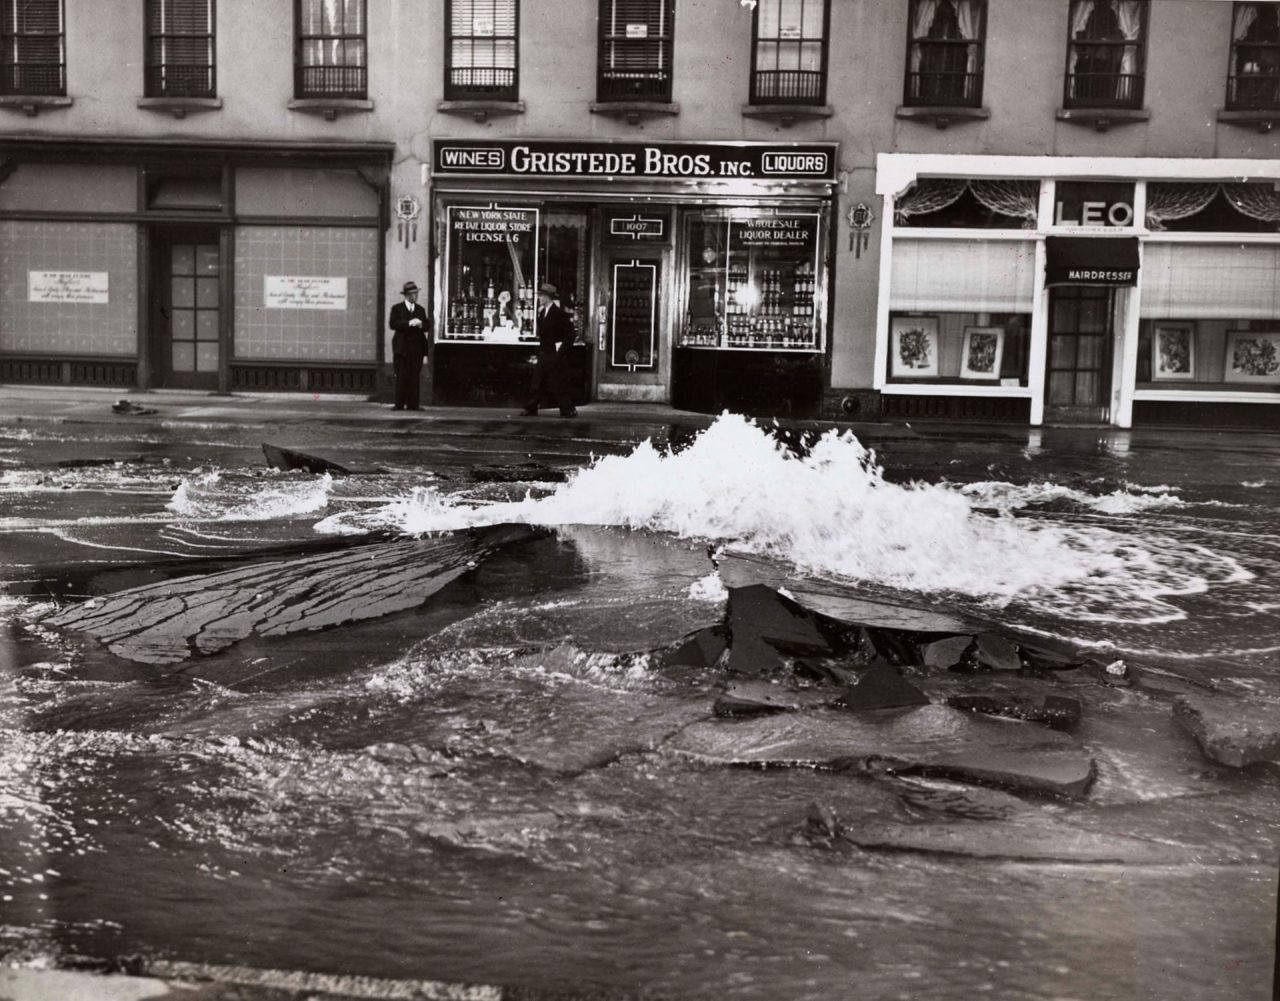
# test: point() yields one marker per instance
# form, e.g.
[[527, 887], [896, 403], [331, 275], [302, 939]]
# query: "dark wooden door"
[[1078, 384], [188, 293]]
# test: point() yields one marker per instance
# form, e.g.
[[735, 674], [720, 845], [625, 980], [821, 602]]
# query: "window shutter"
[[1188, 281], [178, 17], [963, 276], [32, 17]]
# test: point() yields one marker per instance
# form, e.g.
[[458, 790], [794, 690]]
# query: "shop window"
[[636, 42], [332, 59], [1211, 207], [1106, 52], [1253, 80], [945, 53], [34, 60], [753, 281], [481, 52], [1210, 317], [789, 54], [496, 258], [180, 49], [959, 348], [960, 203]]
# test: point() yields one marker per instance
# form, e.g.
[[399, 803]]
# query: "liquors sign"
[[672, 161]]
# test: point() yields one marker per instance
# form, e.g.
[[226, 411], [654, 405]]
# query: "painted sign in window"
[[492, 282], [67, 286], [298, 292], [1100, 204]]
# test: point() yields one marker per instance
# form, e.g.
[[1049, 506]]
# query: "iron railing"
[[958, 89], [330, 81], [1104, 90], [788, 87], [1253, 92], [481, 83], [35, 78]]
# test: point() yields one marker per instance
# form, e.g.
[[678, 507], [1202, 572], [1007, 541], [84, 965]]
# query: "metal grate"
[[964, 408]]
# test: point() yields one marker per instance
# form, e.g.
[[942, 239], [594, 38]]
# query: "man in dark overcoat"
[[551, 369], [408, 346]]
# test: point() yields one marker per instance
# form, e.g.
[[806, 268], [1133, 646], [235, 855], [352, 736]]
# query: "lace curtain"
[[1257, 201], [1012, 198], [1166, 202]]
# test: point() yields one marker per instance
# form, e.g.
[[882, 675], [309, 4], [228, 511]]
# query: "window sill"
[[30, 104], [179, 106], [787, 114], [1103, 118], [633, 111], [481, 110], [941, 115], [1262, 119], [329, 107]]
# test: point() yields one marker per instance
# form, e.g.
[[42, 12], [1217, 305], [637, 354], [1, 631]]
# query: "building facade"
[[1016, 210]]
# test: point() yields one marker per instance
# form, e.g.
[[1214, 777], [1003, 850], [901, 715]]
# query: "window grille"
[[945, 53], [34, 60], [332, 49], [481, 56], [1253, 79], [180, 49], [636, 42], [789, 56], [1106, 54]]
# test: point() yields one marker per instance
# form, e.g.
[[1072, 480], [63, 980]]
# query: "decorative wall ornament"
[[407, 209], [860, 219]]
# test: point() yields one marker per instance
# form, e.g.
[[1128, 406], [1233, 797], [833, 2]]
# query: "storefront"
[[153, 264], [696, 273], [1111, 291]]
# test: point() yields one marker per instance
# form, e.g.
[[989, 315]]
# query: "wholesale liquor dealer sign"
[[669, 161]]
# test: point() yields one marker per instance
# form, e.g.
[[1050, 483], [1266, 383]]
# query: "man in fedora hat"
[[551, 370], [408, 346]]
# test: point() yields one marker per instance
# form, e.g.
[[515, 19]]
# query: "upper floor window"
[[332, 51], [34, 60], [1106, 53], [1253, 79], [945, 53], [480, 57], [180, 57], [635, 50], [789, 57]]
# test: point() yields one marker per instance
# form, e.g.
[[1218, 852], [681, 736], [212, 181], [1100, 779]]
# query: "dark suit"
[[408, 349], [551, 372]]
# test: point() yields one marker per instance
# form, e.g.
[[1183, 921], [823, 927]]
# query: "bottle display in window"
[[754, 282], [492, 261]]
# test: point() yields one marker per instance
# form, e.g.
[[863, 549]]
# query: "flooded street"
[[423, 721]]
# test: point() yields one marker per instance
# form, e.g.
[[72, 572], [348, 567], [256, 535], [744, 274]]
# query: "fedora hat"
[[546, 288], [408, 287]]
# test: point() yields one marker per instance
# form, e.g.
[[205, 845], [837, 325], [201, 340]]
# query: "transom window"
[[1106, 54], [1253, 79], [945, 53], [180, 49], [332, 49], [789, 57], [636, 43], [34, 60], [481, 53]]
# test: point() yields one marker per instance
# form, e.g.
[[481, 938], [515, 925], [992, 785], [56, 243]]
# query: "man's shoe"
[[528, 412], [413, 408], [397, 407], [569, 413]]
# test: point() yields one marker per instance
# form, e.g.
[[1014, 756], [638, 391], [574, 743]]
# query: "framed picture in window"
[[1253, 356], [913, 347], [1173, 351], [981, 352]]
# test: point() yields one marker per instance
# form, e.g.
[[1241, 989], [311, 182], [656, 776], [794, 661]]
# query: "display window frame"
[[459, 315], [766, 326]]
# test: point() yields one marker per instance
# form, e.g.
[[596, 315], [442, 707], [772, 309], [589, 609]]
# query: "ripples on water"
[[481, 803]]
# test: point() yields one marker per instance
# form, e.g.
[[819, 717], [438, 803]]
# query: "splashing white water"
[[1013, 496], [209, 498], [832, 513]]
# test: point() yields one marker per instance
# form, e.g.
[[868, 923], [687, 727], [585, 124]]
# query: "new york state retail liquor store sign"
[[668, 161]]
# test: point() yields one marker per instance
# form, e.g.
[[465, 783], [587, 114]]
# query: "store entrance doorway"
[[633, 359], [1081, 335], [185, 313]]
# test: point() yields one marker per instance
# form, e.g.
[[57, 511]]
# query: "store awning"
[[1091, 260]]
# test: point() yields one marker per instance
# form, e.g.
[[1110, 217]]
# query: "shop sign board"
[[1093, 204], [667, 161], [1083, 260], [777, 231], [68, 286], [303, 292]]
